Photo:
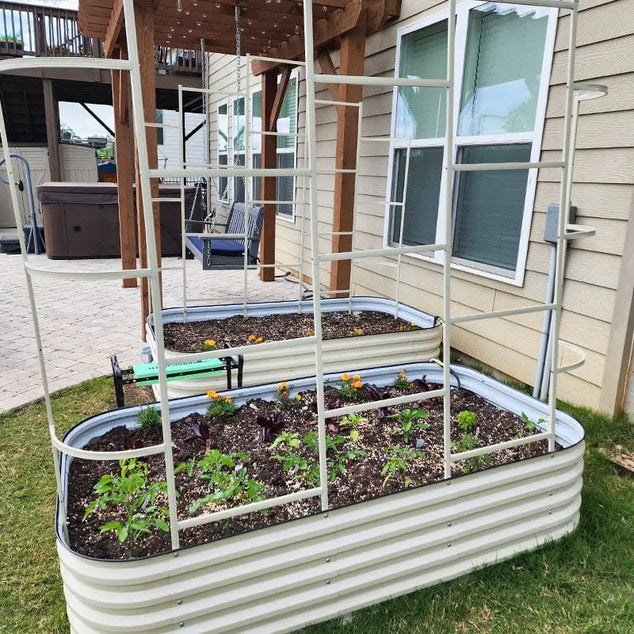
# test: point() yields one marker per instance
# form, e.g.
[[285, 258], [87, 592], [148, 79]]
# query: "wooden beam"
[[115, 25], [333, 26], [352, 62], [269, 183], [279, 96], [51, 115], [328, 68], [144, 17], [125, 192]]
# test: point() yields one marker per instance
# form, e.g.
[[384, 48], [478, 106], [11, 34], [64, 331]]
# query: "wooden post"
[[52, 131], [144, 16], [125, 193], [269, 183], [352, 62]]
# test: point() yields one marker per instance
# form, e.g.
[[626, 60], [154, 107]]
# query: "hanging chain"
[[237, 14]]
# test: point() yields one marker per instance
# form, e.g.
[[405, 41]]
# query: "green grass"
[[581, 584]]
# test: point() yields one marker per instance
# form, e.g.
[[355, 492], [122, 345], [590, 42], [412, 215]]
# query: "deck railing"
[[36, 31]]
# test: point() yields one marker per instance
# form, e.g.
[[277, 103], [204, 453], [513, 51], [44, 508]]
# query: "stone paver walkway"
[[84, 322]]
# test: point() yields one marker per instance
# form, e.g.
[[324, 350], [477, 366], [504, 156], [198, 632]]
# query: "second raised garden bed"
[[418, 341]]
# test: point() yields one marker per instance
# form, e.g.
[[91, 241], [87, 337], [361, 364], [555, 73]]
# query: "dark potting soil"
[[243, 432], [186, 337]]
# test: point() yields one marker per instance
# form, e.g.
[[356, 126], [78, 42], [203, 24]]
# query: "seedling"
[[351, 386], [149, 417], [287, 445], [226, 476], [467, 420], [401, 382], [221, 407], [352, 420], [410, 419], [129, 494], [476, 463], [399, 459], [530, 425]]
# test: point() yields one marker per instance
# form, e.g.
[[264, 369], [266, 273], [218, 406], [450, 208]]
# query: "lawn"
[[582, 584]]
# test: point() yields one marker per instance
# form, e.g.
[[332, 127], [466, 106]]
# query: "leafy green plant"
[[466, 443], [467, 420], [354, 421], [410, 419], [399, 459], [129, 492], [530, 425], [350, 386], [221, 407], [226, 476], [401, 382], [149, 417], [287, 445]]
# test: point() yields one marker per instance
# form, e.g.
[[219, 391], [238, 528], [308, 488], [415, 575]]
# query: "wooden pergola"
[[271, 28]]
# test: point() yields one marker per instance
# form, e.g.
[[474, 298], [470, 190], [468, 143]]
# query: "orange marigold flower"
[[251, 338], [285, 394], [356, 377], [345, 376], [413, 324], [283, 384], [278, 388], [210, 342], [211, 394], [357, 384], [401, 373], [228, 399], [217, 397], [259, 340], [309, 333]]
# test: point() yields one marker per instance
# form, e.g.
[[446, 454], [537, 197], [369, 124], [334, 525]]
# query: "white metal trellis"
[[309, 173]]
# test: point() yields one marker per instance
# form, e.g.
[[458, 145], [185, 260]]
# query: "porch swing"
[[218, 251]]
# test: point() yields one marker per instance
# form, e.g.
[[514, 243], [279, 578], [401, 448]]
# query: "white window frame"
[[255, 89], [228, 189], [535, 137]]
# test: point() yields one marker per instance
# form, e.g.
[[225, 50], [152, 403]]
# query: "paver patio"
[[84, 322]]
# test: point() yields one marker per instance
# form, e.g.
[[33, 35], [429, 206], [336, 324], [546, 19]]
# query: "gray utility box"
[[552, 217]]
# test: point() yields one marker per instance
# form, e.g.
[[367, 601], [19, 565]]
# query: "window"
[[160, 135], [286, 147], [503, 54]]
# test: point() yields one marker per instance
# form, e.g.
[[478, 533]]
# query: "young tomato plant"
[[351, 386], [130, 493], [226, 476], [399, 459], [221, 407], [354, 421], [409, 419], [466, 443], [149, 417], [337, 454], [288, 445]]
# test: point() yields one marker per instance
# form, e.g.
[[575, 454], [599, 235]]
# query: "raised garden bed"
[[417, 340], [283, 576]]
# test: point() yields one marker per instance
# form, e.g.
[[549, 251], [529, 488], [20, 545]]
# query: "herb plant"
[[353, 420], [467, 420], [130, 493], [410, 419], [466, 443], [399, 459], [226, 476], [149, 417]]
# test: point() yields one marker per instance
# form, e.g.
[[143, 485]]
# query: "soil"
[[244, 432], [234, 331]]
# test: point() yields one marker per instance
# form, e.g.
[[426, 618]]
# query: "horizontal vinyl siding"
[[603, 191]]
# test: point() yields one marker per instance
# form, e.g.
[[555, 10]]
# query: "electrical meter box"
[[552, 217]]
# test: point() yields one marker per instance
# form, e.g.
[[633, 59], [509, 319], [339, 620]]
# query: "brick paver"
[[84, 322]]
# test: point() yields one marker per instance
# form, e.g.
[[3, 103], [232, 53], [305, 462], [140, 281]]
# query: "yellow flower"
[[210, 342], [283, 384], [356, 377], [228, 399], [259, 340], [298, 398], [251, 338], [401, 373], [345, 376], [211, 394], [278, 388], [413, 324], [357, 384]]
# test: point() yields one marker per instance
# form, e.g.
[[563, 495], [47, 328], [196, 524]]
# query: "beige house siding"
[[603, 191]]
